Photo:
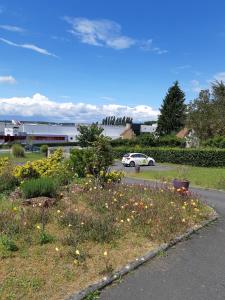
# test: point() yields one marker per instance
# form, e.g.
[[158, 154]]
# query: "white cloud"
[[12, 28], [7, 79], [28, 46], [220, 76], [148, 46], [100, 33], [38, 106], [196, 86]]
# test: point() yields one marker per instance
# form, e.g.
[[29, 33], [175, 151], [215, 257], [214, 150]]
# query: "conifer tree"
[[172, 111]]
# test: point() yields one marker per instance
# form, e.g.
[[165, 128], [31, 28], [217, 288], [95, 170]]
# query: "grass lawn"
[[28, 156], [198, 176], [49, 253]]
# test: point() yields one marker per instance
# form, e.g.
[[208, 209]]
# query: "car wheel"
[[132, 164], [151, 163]]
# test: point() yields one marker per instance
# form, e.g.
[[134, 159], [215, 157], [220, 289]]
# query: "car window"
[[142, 156], [126, 155], [135, 155]]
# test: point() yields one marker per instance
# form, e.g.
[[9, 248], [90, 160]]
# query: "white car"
[[133, 159]]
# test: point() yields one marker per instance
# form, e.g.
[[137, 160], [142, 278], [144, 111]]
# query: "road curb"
[[138, 261]]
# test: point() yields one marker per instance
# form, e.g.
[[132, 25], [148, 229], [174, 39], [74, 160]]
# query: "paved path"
[[192, 270]]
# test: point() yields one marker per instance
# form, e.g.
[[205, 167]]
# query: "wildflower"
[[146, 206], [15, 208], [58, 211], [75, 261], [38, 227], [39, 204], [184, 207], [121, 221], [122, 206], [128, 220], [183, 220], [105, 253], [95, 188], [178, 190], [57, 249], [171, 218], [77, 252], [82, 223], [70, 225]]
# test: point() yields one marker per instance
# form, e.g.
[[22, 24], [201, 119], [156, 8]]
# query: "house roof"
[[183, 133]]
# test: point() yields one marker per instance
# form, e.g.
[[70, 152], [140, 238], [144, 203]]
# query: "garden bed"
[[49, 253]]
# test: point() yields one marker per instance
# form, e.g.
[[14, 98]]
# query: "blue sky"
[[79, 60]]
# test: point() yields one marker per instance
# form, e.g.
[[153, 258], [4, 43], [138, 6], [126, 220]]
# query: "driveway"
[[158, 167], [192, 270]]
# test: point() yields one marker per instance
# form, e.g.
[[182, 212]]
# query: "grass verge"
[[28, 157], [198, 176]]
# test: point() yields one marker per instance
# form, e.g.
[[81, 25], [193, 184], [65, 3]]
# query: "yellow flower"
[[128, 219], [178, 190], [70, 225], [77, 252], [105, 253], [57, 249], [183, 220], [15, 208], [38, 227], [121, 221], [183, 207], [75, 261], [146, 206], [58, 211]]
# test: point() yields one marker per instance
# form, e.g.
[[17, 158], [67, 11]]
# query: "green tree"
[[200, 115], [88, 134], [206, 113], [172, 111]]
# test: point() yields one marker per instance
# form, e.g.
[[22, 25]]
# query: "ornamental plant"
[[43, 167]]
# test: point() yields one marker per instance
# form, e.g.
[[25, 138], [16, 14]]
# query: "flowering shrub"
[[4, 162], [42, 167]]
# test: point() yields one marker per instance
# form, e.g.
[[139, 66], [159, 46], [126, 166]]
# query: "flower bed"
[[50, 252]]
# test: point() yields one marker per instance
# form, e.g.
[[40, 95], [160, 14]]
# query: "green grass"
[[198, 176], [28, 157]]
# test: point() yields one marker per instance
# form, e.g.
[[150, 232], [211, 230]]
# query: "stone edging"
[[138, 262]]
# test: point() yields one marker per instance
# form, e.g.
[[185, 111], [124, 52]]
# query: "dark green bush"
[[194, 157], [44, 149], [46, 238], [43, 186], [18, 151], [150, 140], [216, 142]]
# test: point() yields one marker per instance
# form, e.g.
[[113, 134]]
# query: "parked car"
[[32, 148], [133, 159]]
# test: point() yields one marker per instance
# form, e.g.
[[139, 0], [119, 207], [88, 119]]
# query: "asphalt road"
[[192, 270]]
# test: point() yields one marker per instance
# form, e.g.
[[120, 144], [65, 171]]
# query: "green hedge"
[[194, 157]]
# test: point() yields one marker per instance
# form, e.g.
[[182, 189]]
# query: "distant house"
[[132, 130], [192, 141]]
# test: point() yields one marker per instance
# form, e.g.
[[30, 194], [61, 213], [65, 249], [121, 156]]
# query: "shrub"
[[42, 167], [18, 151], [44, 149], [7, 179], [44, 186], [194, 157], [217, 142], [95, 160], [150, 140]]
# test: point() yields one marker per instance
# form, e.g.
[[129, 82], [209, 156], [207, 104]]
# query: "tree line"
[[113, 120]]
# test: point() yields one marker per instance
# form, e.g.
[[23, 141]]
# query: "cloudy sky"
[[82, 60]]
